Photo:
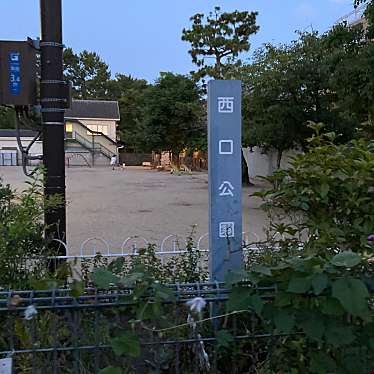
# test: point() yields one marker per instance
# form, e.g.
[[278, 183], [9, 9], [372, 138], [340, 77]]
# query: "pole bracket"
[[53, 100], [52, 110], [54, 123], [52, 44], [53, 81]]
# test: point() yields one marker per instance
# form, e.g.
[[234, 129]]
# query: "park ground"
[[115, 205]]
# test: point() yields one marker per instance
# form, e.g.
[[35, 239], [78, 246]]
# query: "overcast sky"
[[143, 37]]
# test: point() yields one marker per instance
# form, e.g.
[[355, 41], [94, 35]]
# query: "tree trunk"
[[175, 158], [245, 175], [279, 158]]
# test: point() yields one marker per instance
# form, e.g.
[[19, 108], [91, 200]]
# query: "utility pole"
[[52, 103]]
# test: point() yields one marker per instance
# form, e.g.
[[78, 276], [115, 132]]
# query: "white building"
[[90, 136], [91, 132], [10, 155]]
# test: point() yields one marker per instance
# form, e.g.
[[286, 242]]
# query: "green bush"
[[325, 200], [320, 315], [23, 246], [186, 267], [321, 213]]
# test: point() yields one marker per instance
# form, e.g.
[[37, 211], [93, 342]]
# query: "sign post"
[[53, 104], [225, 177]]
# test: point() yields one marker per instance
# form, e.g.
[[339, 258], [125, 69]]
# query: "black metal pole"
[[51, 96]]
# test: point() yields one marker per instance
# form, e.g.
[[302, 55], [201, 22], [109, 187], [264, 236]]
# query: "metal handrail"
[[91, 146]]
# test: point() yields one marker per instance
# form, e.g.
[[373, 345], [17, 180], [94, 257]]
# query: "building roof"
[[95, 109], [12, 133]]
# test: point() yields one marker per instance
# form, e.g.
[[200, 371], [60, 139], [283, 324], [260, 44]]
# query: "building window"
[[98, 128], [68, 130]]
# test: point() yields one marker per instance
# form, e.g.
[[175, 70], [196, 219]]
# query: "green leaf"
[[325, 188], [242, 299], [346, 259], [111, 370], [130, 279], [164, 293], [339, 335], [314, 328], [284, 321], [299, 285], [352, 294], [321, 363], [319, 283], [256, 304], [371, 344], [331, 307], [261, 270], [234, 277], [224, 339], [43, 284], [127, 345], [283, 299], [239, 298], [117, 265], [77, 288], [103, 278]]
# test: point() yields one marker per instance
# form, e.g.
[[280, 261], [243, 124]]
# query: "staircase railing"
[[83, 141], [92, 146], [105, 151]]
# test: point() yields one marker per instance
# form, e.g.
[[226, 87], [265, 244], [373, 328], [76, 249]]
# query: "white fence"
[[171, 245]]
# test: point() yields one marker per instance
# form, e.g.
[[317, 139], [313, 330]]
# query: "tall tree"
[[288, 86], [88, 73], [221, 37], [172, 114], [275, 113], [129, 92]]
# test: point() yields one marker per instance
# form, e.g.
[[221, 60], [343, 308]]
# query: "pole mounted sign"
[[17, 73], [225, 177]]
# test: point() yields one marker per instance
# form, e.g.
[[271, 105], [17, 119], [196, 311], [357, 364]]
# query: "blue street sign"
[[14, 61], [225, 177]]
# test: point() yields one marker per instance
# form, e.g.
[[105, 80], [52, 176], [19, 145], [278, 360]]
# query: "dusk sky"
[[143, 37]]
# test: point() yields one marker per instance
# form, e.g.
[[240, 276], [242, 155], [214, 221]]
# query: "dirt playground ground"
[[115, 205]]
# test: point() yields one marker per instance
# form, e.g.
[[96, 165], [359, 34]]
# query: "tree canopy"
[[220, 36], [129, 92], [172, 114], [326, 78], [89, 75]]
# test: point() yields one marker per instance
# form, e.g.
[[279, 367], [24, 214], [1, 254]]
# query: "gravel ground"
[[118, 204]]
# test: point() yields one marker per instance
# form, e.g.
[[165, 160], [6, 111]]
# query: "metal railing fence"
[[56, 332], [72, 335], [171, 248]]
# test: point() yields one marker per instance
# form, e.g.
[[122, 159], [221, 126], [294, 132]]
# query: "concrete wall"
[[134, 159], [265, 164]]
